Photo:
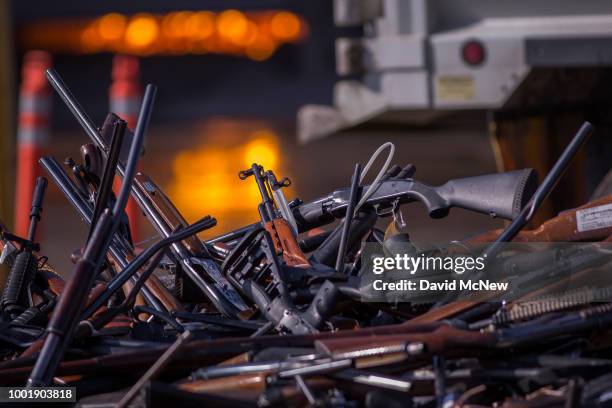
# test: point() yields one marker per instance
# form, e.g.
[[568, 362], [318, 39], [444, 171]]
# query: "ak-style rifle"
[[278, 220], [268, 261]]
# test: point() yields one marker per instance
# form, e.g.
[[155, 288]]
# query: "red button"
[[473, 52]]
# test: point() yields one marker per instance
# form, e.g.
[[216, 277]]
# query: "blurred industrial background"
[[307, 88]]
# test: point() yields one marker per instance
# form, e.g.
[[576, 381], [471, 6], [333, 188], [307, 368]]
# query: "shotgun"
[[72, 300], [446, 339], [501, 195], [201, 272], [119, 248], [498, 195]]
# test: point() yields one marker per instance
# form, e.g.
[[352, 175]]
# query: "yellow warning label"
[[455, 88]]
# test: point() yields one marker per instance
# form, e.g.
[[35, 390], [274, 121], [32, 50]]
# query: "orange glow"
[[255, 35], [90, 40], [142, 31], [205, 180], [262, 149], [233, 26], [285, 26], [177, 23], [261, 49], [112, 26], [201, 167], [204, 23], [167, 25], [251, 34]]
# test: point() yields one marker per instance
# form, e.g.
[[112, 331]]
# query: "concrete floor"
[[315, 169]]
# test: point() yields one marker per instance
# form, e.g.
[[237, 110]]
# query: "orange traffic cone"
[[33, 132], [125, 97]]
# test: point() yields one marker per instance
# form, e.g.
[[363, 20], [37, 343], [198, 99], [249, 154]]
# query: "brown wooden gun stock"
[[286, 244], [562, 228], [255, 383], [250, 387], [443, 340], [203, 352]]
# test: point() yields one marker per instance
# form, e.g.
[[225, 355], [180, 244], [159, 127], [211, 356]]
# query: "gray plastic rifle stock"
[[501, 195]]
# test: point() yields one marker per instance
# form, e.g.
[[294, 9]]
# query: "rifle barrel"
[[74, 106], [549, 183], [64, 320]]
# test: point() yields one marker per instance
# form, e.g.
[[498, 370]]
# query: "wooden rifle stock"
[[250, 387], [286, 244], [239, 359], [443, 340], [204, 352], [562, 228], [255, 383]]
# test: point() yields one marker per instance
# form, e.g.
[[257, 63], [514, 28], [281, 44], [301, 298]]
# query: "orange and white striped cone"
[[32, 134], [125, 97]]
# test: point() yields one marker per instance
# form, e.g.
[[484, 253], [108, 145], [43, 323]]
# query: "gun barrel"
[[550, 181], [74, 106], [37, 203]]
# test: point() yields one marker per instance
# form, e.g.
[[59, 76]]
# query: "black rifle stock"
[[501, 195]]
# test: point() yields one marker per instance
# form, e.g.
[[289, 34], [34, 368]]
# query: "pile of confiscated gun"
[[275, 314]]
